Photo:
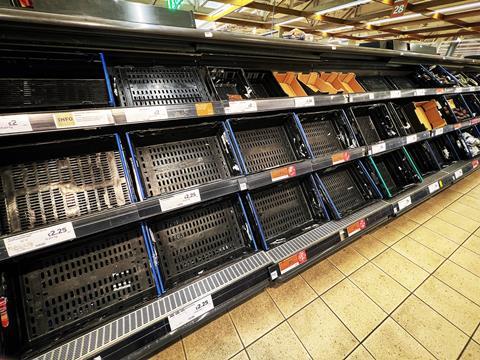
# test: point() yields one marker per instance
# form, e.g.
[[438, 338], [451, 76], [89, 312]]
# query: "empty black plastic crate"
[[327, 132], [229, 84], [372, 123], [347, 188], [158, 85], [43, 183], [264, 84], [425, 156], [374, 83], [174, 159], [81, 285], [444, 150], [192, 241], [265, 142], [393, 172], [286, 209], [473, 103], [441, 75], [401, 119], [401, 82]]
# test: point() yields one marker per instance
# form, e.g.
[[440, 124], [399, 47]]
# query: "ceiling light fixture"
[[290, 21], [342, 28], [400, 18], [458, 8], [344, 6]]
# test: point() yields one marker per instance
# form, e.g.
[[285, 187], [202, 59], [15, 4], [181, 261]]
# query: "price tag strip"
[[190, 312], [10, 124], [420, 92], [411, 138], [241, 106], [292, 262], [179, 200], [82, 118], [406, 202], [378, 148], [395, 93], [146, 114], [438, 131], [283, 173], [304, 101], [37, 239]]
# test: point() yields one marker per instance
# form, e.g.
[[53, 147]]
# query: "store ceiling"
[[436, 22]]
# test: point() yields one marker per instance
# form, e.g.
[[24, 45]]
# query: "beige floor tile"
[[473, 243], [347, 260], [462, 186], [419, 254], [434, 241], [320, 331], [419, 215], [216, 340], [404, 224], [360, 353], [256, 317], [391, 341], [470, 201], [435, 333], [476, 336], [380, 287], [448, 230], [471, 352], [467, 259], [242, 355], [460, 279], [387, 234], [401, 269], [432, 207], [455, 307], [465, 210], [172, 352], [280, 343], [322, 276], [292, 295], [354, 308], [368, 246], [458, 220]]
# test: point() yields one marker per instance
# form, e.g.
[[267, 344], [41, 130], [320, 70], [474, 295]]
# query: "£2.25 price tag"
[[38, 239], [190, 312], [182, 199], [14, 124]]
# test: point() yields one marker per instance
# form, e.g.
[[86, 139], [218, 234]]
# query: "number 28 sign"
[[399, 8]]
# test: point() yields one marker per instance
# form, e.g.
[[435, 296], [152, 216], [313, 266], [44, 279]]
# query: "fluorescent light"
[[400, 18], [344, 6], [348, 27], [220, 9], [459, 7], [290, 21]]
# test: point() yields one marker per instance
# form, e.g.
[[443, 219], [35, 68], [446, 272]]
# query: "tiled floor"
[[408, 290]]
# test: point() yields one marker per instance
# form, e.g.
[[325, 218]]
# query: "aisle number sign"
[[399, 8]]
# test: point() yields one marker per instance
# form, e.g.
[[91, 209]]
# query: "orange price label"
[[475, 164], [292, 262], [475, 121], [204, 109], [440, 90], [356, 227], [283, 173], [457, 126], [339, 158]]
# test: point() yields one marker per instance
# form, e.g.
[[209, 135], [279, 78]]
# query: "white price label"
[[208, 34], [371, 96], [190, 312], [241, 106], [377, 148], [434, 187], [243, 186], [82, 118], [304, 101], [438, 131], [395, 93], [458, 90], [458, 173], [274, 274], [180, 200], [402, 204], [471, 88], [420, 92], [411, 138], [14, 124], [146, 114], [38, 239]]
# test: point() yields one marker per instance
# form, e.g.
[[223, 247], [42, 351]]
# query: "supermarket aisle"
[[410, 289]]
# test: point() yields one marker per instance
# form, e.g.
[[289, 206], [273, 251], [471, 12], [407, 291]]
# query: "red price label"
[[356, 227], [475, 164], [292, 261], [339, 158], [283, 173], [399, 8]]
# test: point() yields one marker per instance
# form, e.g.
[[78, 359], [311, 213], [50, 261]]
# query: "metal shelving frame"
[[143, 330]]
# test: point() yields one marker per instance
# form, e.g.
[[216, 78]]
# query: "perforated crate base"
[[52, 93], [343, 190], [177, 165], [322, 137], [281, 208], [159, 85], [95, 278], [47, 191], [200, 239]]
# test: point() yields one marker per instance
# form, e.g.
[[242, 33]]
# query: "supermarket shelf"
[[173, 310], [59, 121]]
